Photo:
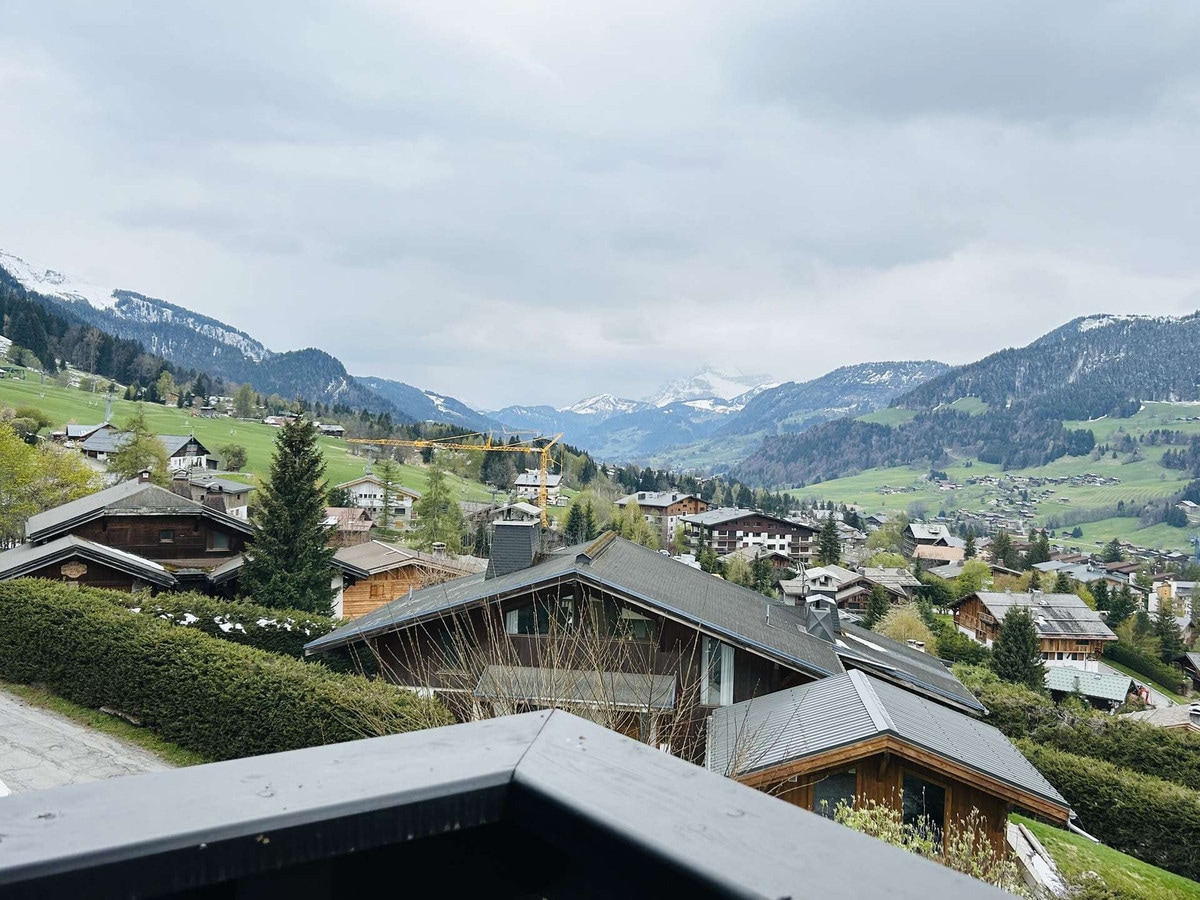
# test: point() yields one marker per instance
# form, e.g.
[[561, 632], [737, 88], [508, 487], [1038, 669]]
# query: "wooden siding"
[[191, 537], [97, 575]]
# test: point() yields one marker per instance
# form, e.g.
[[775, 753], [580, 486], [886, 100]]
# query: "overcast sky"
[[533, 202]]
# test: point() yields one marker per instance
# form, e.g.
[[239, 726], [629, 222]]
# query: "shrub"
[[1146, 817], [1154, 669], [1013, 708], [210, 696], [1161, 752]]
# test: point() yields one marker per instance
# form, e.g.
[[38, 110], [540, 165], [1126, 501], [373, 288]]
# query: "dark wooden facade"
[[89, 573], [795, 539], [973, 616], [449, 654], [167, 538], [879, 766]]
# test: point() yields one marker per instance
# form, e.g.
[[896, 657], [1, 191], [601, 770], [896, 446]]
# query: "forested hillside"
[[1091, 367]]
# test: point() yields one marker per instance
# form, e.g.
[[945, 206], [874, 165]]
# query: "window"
[[218, 540], [924, 800], [535, 618], [716, 688], [166, 536], [834, 789]]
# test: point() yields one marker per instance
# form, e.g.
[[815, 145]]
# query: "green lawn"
[[1138, 676], [1075, 855], [110, 725], [972, 406], [344, 461], [889, 416]]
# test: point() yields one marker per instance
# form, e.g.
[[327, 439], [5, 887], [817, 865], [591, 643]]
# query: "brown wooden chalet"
[[614, 624], [1069, 632], [726, 530], [372, 574], [132, 536], [346, 526], [664, 509], [855, 738]]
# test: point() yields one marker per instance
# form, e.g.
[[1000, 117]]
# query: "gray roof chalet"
[[929, 534], [640, 575], [28, 558], [75, 432], [222, 485], [655, 499], [104, 441], [1054, 615], [894, 578], [372, 557], [129, 498], [534, 479], [1067, 680], [726, 514], [176, 443], [839, 712]]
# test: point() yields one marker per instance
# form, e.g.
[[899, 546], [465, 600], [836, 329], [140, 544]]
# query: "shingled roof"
[[28, 558], [1054, 615]]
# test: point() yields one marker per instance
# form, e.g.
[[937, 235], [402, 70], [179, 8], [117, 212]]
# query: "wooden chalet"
[[367, 492], [855, 738], [614, 609], [1070, 633], [918, 534], [347, 526], [372, 574], [132, 536], [726, 530]]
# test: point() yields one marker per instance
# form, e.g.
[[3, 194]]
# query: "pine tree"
[[1015, 656], [288, 564], [591, 528], [575, 530], [969, 547], [877, 606], [1100, 593], [1003, 552], [1121, 606], [388, 474], [1062, 583], [1166, 629], [1035, 580], [141, 451], [829, 547], [439, 517], [1112, 551]]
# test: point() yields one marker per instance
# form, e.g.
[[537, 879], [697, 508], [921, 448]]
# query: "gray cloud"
[[536, 202]]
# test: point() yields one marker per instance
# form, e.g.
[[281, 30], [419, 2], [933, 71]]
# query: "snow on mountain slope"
[[1091, 323], [136, 307], [710, 383], [52, 283], [603, 405]]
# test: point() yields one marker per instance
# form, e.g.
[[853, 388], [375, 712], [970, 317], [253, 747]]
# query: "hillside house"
[[528, 485], [372, 574], [367, 493], [184, 452], [919, 534], [132, 536], [234, 495], [347, 526], [1106, 692], [614, 616], [897, 581], [664, 510], [852, 738], [725, 530], [73, 434], [1070, 633]]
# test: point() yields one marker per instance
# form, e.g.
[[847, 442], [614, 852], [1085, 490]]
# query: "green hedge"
[[1165, 753], [1146, 817], [1154, 669], [214, 697]]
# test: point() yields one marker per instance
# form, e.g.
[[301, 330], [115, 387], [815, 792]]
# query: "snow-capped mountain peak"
[[52, 283], [603, 405], [711, 383]]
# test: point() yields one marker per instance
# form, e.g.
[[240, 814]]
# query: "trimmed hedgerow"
[[1154, 669], [1165, 753], [1146, 817], [211, 696]]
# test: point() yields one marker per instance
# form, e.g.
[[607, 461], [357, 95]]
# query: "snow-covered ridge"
[[137, 308], [52, 283], [1093, 322], [710, 383], [603, 405]]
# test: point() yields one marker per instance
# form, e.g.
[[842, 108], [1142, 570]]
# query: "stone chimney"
[[514, 545]]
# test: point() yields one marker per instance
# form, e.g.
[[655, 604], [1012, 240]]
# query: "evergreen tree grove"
[[288, 563], [877, 606], [439, 517], [829, 546], [1015, 656]]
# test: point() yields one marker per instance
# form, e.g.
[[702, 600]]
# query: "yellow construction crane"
[[526, 445]]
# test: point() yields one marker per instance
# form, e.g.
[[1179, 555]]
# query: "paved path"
[[41, 749], [1157, 699]]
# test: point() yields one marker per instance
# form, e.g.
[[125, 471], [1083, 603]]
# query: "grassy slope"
[[1141, 481], [71, 405], [1075, 855]]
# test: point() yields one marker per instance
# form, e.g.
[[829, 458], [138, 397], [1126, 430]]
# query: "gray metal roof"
[[227, 570], [1054, 615], [225, 485], [644, 576], [74, 432], [176, 442], [892, 577], [105, 441], [563, 687], [1091, 684], [132, 497], [371, 557], [28, 558], [860, 648], [723, 515], [845, 710], [654, 499]]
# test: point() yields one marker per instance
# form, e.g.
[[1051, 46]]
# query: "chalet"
[[726, 530], [73, 433], [367, 493], [918, 534], [545, 804], [612, 607], [330, 429], [184, 451], [528, 485], [853, 738], [849, 590], [1070, 633], [372, 574], [509, 512], [1178, 717], [347, 526], [664, 509], [937, 555], [896, 580], [234, 495], [1190, 664], [1105, 692], [781, 564], [130, 536]]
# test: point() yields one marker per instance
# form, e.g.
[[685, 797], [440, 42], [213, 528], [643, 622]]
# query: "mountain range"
[[1094, 366]]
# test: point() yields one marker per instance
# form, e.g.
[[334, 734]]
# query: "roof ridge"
[[597, 548], [871, 701]]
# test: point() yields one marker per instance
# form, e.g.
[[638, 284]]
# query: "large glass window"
[[924, 800], [834, 789], [716, 689], [535, 618]]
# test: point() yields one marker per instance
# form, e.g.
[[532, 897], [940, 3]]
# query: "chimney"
[[439, 549], [821, 620], [514, 545], [180, 485], [144, 476]]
